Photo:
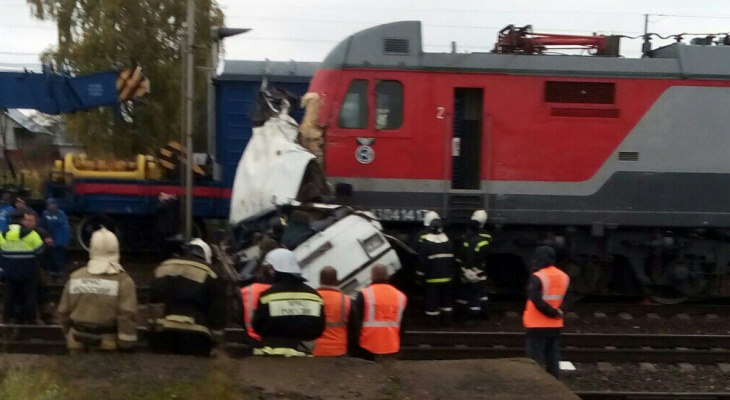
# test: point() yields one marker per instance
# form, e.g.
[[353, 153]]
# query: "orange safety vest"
[[333, 341], [250, 295], [383, 312], [554, 286]]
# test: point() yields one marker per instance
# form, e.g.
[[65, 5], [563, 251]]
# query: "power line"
[[14, 53], [450, 10], [373, 23], [19, 65], [28, 27], [439, 10]]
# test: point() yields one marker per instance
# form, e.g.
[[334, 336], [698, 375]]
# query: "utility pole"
[[212, 67], [217, 34], [646, 46], [189, 93]]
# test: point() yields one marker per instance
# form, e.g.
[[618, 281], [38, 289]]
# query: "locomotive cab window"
[[354, 111], [580, 92], [388, 105]]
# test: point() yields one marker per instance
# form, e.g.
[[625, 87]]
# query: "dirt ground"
[[153, 377]]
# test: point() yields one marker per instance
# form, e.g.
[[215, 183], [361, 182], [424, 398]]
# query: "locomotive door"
[[466, 143], [465, 194]]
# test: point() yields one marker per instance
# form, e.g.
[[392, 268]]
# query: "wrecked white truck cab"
[[352, 246], [275, 176]]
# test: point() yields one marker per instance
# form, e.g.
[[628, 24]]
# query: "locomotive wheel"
[[89, 225], [587, 276], [688, 281], [667, 295]]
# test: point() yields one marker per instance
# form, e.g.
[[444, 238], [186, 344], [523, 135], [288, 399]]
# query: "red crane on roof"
[[523, 40]]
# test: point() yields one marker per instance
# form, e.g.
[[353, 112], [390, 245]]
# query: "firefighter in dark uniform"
[[436, 256], [193, 296], [471, 260], [290, 314]]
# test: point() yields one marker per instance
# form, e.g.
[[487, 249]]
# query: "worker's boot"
[[446, 318]]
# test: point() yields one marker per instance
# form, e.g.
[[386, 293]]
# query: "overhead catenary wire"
[[483, 11]]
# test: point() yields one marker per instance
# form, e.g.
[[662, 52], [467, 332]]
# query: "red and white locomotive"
[[622, 163]]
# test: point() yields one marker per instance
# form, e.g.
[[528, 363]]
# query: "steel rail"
[[568, 340], [422, 345], [608, 395]]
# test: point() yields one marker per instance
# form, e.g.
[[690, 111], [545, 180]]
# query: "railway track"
[[501, 307], [576, 347], [422, 345], [651, 396]]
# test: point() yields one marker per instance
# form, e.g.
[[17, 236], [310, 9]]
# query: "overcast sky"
[[306, 30]]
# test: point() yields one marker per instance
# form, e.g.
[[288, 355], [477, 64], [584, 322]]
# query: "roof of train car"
[[281, 71], [398, 46]]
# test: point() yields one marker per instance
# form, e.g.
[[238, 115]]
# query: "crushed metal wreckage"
[[280, 193]]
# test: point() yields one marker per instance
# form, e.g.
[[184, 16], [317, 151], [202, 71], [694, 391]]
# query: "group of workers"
[[32, 252], [443, 261], [285, 316], [446, 267], [282, 314]]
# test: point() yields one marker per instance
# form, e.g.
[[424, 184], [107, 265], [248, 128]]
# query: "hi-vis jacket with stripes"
[[436, 256], [193, 295], [472, 250], [288, 313], [19, 248], [545, 293], [337, 305], [100, 301]]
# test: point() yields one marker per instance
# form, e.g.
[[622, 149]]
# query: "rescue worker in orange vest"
[[333, 341], [543, 318], [378, 312], [250, 297]]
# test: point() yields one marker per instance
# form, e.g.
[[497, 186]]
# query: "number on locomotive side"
[[440, 112]]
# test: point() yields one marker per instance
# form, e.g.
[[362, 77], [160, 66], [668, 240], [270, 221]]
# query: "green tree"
[[99, 35]]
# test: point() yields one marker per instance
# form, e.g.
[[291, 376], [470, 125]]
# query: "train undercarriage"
[[668, 267]]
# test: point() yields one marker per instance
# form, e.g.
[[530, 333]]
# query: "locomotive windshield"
[[354, 111], [388, 105]]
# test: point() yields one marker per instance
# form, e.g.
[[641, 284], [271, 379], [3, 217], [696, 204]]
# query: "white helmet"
[[203, 246], [430, 217], [480, 216]]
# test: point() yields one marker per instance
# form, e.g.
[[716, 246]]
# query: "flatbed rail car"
[[621, 163], [128, 205]]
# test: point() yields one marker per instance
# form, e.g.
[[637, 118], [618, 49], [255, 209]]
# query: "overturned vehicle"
[[280, 196]]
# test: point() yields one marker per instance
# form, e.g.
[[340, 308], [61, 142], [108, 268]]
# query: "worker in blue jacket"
[[56, 223], [5, 210]]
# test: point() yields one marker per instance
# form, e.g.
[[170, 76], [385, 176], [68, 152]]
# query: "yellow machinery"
[[170, 158], [79, 166]]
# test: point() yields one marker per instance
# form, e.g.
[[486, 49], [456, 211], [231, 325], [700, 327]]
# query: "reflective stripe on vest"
[[438, 280], [333, 341], [546, 286], [250, 296], [480, 245], [343, 313], [554, 284], [440, 255], [383, 309], [371, 320]]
